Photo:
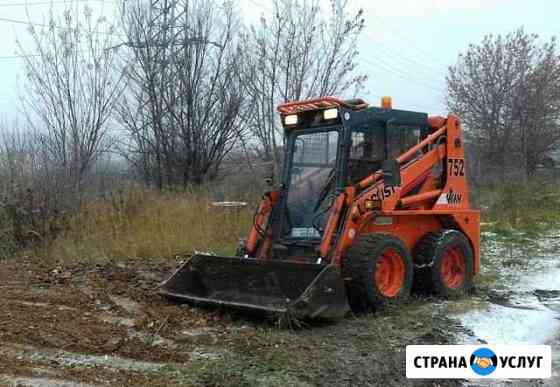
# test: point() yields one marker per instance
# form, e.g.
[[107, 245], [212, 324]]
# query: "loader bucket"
[[304, 290]]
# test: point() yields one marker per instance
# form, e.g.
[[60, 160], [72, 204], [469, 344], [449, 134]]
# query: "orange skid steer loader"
[[373, 203]]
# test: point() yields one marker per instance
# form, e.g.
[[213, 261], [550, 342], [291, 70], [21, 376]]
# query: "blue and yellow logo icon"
[[483, 361]]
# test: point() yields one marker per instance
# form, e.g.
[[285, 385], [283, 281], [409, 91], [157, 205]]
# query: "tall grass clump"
[[141, 223], [150, 224], [526, 207]]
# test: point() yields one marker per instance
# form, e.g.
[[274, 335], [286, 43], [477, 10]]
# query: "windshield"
[[312, 182]]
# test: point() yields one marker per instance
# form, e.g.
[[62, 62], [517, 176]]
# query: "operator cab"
[[332, 144]]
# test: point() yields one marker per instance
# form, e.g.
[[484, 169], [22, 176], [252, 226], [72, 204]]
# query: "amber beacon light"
[[386, 102]]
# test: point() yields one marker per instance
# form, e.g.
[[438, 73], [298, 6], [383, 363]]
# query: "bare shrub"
[[71, 88], [29, 212]]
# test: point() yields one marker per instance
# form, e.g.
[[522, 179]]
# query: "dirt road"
[[104, 325]]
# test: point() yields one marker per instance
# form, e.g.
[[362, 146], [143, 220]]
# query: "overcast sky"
[[405, 49]]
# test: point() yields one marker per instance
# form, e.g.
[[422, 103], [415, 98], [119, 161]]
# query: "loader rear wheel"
[[444, 264], [378, 270]]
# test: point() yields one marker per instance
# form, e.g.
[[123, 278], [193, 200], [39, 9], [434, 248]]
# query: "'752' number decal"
[[456, 167]]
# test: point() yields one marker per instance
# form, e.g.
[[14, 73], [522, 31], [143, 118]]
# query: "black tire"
[[429, 272], [359, 271]]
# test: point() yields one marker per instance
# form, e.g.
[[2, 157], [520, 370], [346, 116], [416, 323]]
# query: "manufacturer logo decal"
[[453, 197], [450, 198]]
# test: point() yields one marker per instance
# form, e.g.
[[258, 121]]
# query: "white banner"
[[478, 361]]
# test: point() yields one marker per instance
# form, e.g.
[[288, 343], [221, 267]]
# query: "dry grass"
[[147, 224]]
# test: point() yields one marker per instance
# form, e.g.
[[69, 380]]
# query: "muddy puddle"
[[522, 303]]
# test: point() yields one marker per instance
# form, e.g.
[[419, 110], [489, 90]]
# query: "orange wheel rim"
[[453, 268], [389, 273]]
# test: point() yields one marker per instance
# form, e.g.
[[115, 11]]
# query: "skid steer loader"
[[373, 203]]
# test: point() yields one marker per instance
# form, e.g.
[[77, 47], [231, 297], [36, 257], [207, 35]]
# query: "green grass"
[[232, 372], [516, 211]]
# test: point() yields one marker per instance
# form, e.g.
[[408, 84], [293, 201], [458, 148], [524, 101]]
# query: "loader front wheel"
[[444, 264], [378, 270]]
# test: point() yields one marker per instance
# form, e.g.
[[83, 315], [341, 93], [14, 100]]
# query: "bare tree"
[[537, 108], [506, 91], [184, 106], [71, 89], [300, 51]]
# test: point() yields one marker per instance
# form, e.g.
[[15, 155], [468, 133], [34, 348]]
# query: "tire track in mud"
[[84, 324], [104, 325]]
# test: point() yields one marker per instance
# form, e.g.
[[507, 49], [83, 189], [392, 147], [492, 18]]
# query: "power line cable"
[[388, 67], [380, 64], [374, 98], [403, 37], [34, 24], [428, 67], [260, 5], [420, 65], [394, 61], [8, 57], [35, 3], [15, 21]]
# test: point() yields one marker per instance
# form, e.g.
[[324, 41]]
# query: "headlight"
[[329, 114], [373, 204], [291, 120]]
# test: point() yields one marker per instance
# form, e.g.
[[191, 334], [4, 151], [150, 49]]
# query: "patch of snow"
[[504, 325], [44, 382], [71, 359]]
